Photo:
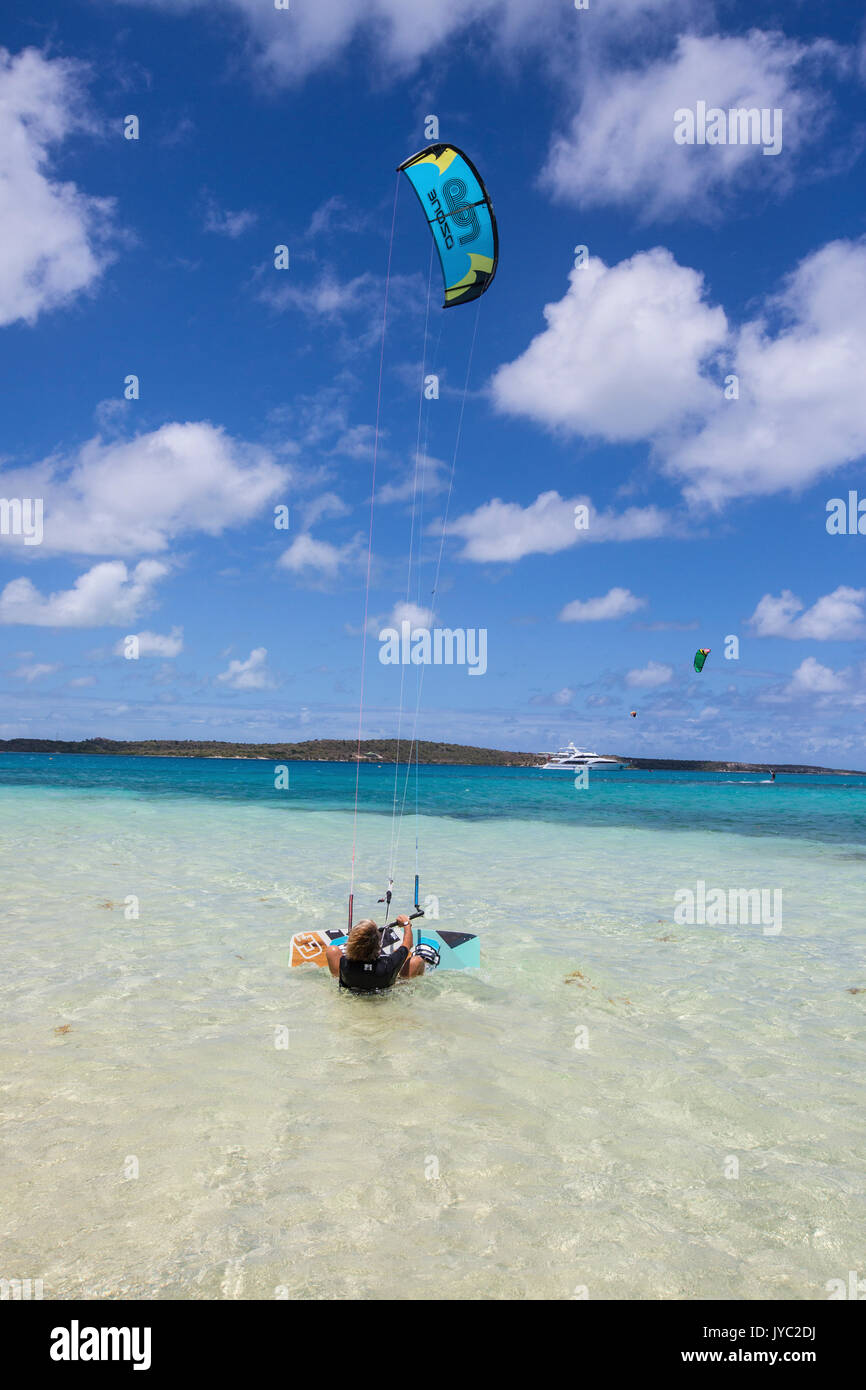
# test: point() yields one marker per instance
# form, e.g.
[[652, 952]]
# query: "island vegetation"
[[331, 750], [384, 750]]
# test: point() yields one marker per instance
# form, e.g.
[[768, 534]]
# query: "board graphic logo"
[[308, 945]]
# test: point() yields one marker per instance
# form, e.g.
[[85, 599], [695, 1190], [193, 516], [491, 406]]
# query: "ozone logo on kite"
[[460, 215]]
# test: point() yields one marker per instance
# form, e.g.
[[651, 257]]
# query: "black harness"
[[366, 977], [370, 977]]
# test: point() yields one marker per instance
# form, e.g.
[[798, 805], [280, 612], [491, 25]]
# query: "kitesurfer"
[[364, 969]]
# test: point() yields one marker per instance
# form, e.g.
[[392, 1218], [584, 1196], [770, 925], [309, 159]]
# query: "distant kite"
[[633, 713], [460, 216], [701, 656]]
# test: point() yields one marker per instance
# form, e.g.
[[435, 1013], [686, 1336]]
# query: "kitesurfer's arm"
[[334, 955], [414, 964], [404, 922]]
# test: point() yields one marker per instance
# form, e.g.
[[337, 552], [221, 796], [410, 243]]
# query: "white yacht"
[[567, 759]]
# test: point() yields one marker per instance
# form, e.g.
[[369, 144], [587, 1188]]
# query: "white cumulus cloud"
[[619, 147], [251, 674], [811, 678], [802, 409], [312, 34], [155, 643], [505, 531], [108, 595], [611, 365], [136, 496], [622, 352], [411, 613], [326, 504], [307, 556], [395, 35], [616, 603], [55, 237], [649, 677], [834, 617]]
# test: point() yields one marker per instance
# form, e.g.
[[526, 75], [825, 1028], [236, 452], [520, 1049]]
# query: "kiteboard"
[[456, 950]]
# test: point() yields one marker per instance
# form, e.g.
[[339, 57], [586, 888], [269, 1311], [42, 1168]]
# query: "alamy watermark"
[[855, 1288], [22, 516], [740, 125], [731, 907], [77, 1343], [439, 646], [846, 517], [21, 1290]]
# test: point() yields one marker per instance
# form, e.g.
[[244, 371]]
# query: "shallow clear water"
[[311, 1168]]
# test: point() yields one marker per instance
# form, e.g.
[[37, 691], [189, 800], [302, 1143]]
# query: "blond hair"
[[364, 942]]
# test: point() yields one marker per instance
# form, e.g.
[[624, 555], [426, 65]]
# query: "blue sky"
[[600, 386]]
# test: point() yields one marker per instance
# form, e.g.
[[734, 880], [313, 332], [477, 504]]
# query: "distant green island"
[[694, 765], [327, 750], [383, 750]]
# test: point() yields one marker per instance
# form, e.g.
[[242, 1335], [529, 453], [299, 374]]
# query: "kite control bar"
[[412, 916], [419, 911]]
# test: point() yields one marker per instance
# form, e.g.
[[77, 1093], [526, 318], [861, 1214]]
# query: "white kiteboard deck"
[[456, 950]]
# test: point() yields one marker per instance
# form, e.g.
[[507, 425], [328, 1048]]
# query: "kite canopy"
[[700, 657], [460, 217]]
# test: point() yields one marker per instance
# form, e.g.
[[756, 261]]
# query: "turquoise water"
[[212, 1125], [822, 808]]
